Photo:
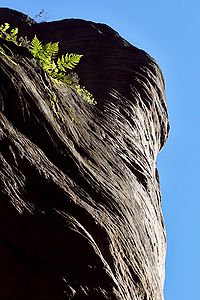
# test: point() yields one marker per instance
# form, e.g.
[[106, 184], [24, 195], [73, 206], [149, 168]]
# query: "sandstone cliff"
[[80, 204]]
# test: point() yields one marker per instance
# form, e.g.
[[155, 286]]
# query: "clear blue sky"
[[170, 32]]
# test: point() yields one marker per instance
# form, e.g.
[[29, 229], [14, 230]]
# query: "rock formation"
[[80, 204]]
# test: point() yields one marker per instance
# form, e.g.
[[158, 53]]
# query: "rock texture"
[[80, 204]]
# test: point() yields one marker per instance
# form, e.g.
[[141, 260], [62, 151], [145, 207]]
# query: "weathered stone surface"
[[80, 205]]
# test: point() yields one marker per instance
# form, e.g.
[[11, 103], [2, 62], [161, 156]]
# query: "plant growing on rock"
[[12, 36], [46, 55], [56, 67]]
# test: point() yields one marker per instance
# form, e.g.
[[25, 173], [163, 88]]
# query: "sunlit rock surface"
[[80, 204]]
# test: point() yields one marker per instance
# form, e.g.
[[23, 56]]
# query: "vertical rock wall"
[[80, 205]]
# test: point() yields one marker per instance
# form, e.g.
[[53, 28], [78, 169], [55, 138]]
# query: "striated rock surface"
[[80, 204]]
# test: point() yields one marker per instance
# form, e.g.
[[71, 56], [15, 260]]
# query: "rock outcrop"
[[80, 204]]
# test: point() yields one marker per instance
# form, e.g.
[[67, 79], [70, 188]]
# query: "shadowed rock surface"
[[80, 204]]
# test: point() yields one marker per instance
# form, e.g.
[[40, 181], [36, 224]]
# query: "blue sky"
[[170, 32]]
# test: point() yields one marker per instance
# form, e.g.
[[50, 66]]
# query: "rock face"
[[80, 204]]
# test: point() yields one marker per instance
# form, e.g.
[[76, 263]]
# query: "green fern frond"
[[36, 47], [4, 27], [46, 64], [12, 36], [51, 50], [68, 61], [60, 63]]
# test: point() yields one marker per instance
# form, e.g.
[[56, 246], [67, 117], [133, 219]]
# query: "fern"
[[68, 61], [12, 36], [36, 47], [51, 50], [3, 28], [46, 55]]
